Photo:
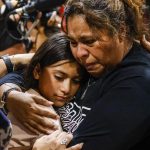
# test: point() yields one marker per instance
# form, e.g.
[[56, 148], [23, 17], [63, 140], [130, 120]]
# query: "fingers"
[[64, 138], [38, 131], [41, 124], [47, 142], [42, 101], [76, 147], [34, 116], [42, 110], [36, 128], [145, 43], [51, 136], [57, 140], [46, 112], [31, 128], [55, 133]]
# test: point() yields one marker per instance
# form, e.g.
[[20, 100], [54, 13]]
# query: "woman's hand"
[[32, 111], [56, 141]]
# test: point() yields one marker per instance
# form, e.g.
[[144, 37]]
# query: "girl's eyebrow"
[[64, 73], [59, 71], [61, 63]]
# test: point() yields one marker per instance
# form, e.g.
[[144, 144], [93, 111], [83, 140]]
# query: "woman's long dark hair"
[[54, 49]]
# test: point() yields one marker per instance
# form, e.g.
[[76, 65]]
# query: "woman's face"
[[96, 55], [59, 82]]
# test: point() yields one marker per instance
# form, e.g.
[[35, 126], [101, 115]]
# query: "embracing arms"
[[15, 61]]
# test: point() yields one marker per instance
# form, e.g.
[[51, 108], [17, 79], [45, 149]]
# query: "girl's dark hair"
[[54, 49]]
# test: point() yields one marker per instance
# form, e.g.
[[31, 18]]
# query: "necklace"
[[90, 82]]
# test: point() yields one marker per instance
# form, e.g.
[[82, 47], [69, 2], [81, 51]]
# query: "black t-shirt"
[[74, 112], [120, 117]]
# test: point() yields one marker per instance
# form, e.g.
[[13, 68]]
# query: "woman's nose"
[[81, 51]]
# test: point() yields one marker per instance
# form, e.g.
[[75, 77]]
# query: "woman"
[[103, 42], [54, 74]]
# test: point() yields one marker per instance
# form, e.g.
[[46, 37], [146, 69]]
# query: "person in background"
[[9, 45], [24, 32]]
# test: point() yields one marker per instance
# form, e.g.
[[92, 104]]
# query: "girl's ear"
[[37, 71]]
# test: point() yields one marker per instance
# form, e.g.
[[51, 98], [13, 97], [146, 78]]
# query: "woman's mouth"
[[90, 66]]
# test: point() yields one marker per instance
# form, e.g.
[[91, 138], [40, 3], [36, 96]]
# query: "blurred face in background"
[[38, 35]]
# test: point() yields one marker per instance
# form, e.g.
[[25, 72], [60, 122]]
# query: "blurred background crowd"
[[25, 24]]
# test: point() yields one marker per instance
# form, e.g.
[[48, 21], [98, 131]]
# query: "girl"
[[54, 74]]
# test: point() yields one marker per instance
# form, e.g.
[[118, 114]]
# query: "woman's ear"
[[37, 71]]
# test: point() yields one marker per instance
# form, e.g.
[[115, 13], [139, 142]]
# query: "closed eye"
[[73, 43], [89, 41], [59, 78], [76, 81]]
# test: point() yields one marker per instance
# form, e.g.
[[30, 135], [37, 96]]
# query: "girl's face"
[[58, 82]]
